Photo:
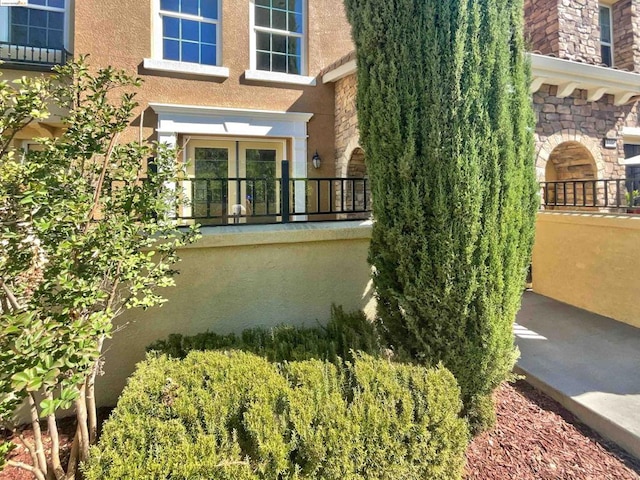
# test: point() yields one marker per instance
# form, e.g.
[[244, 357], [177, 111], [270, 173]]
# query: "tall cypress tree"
[[446, 123]]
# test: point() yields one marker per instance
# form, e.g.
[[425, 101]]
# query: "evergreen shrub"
[[344, 333], [445, 119], [233, 415]]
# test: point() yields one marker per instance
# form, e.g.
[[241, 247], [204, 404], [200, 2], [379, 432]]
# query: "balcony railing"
[[29, 57], [224, 201], [617, 194]]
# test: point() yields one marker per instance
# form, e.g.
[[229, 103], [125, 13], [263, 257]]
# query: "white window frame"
[[267, 76], [5, 25], [603, 43], [157, 62]]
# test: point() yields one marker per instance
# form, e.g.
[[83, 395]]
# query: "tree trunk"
[[37, 435]]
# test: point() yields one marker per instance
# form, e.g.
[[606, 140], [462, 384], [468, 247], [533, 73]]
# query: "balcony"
[[237, 201], [615, 195], [24, 57]]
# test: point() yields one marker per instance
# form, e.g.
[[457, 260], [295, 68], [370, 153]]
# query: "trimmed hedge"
[[345, 332], [234, 415]]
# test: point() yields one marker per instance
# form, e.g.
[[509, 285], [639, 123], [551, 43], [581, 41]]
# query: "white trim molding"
[[214, 121], [597, 80], [566, 74], [277, 77], [184, 67], [195, 120], [340, 72], [631, 134], [212, 115]]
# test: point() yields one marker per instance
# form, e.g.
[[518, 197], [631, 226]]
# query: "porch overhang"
[[565, 74]]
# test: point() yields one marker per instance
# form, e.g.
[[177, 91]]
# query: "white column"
[[299, 170], [171, 140]]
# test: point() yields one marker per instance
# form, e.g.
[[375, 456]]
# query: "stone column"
[[626, 35]]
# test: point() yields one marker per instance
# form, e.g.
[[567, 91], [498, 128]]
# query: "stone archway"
[[575, 160], [570, 175], [571, 137], [355, 184]]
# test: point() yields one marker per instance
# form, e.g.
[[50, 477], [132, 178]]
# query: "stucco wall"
[[130, 41], [240, 277], [590, 261]]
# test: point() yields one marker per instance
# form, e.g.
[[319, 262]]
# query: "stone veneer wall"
[[346, 126], [626, 35], [579, 30], [568, 29], [574, 119], [542, 26]]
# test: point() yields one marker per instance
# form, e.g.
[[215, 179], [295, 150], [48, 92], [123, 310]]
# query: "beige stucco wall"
[[590, 261], [129, 41], [240, 277]]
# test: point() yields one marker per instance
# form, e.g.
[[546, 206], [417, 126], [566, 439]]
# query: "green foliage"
[[445, 118], [344, 333], [82, 238], [234, 415]]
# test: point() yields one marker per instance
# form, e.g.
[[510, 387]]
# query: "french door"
[[233, 181]]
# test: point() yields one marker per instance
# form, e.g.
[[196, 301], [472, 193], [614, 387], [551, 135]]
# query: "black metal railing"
[[615, 194], [26, 56], [223, 201]]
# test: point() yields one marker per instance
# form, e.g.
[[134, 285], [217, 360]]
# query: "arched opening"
[[570, 175], [356, 189]]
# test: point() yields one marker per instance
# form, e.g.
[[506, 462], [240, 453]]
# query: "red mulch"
[[537, 439], [534, 439]]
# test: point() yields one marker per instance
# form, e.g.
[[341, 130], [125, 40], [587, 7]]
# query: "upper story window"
[[39, 24], [279, 29], [606, 35], [190, 31], [187, 38], [34, 33]]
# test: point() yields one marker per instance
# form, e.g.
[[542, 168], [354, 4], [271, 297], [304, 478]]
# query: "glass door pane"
[[211, 166], [260, 164], [210, 185], [261, 181]]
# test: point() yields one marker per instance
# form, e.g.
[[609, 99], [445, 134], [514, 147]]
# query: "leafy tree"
[[82, 239], [445, 118]]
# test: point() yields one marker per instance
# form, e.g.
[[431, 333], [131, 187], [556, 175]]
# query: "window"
[[190, 31], [41, 23], [279, 29], [34, 33], [606, 36], [186, 38]]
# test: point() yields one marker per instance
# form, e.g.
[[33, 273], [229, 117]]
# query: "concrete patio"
[[589, 363]]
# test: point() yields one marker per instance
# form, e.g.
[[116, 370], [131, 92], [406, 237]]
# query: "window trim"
[[265, 75], [157, 62], [5, 21], [603, 43]]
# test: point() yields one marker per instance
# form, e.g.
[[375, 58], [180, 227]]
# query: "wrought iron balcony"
[[617, 195], [30, 57], [225, 201]]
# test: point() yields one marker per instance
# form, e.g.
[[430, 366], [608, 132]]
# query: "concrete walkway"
[[589, 363]]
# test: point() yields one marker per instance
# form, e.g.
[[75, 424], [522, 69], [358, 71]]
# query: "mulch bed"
[[534, 439]]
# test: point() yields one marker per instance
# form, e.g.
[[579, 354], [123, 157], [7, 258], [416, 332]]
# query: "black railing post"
[[284, 192]]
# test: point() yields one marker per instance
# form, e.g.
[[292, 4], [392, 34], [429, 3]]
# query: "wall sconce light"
[[611, 143], [315, 160]]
